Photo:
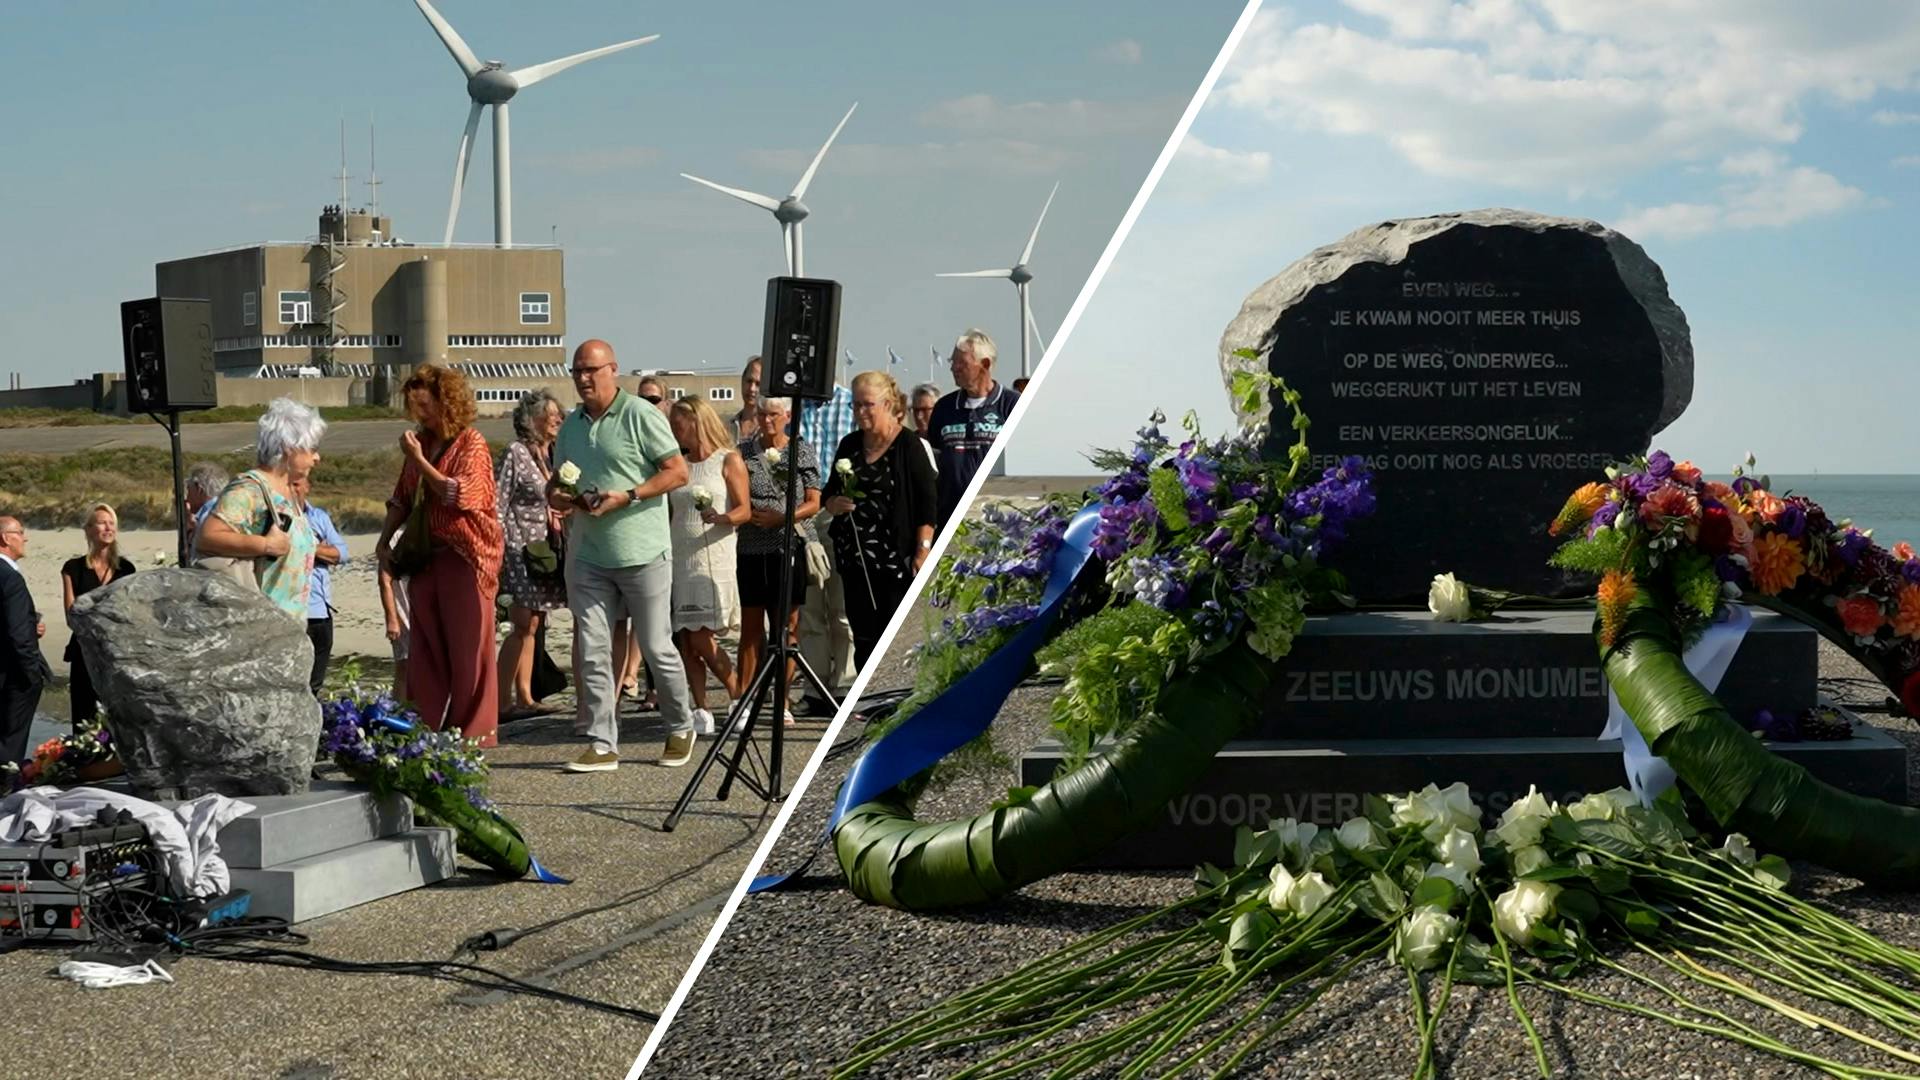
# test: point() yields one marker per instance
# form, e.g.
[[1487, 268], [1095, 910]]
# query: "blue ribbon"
[[963, 710], [544, 875]]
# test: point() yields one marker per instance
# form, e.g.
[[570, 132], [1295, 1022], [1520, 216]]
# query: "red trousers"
[[451, 666]]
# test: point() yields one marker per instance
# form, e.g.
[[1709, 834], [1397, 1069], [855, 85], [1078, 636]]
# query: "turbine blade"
[[469, 63], [980, 273], [1034, 325], [527, 76], [760, 201], [460, 166], [807, 177], [1028, 253]]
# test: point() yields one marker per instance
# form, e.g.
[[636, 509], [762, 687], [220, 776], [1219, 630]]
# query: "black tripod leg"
[[813, 679], [755, 703], [737, 719]]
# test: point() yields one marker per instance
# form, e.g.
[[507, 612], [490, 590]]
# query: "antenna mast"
[[373, 171]]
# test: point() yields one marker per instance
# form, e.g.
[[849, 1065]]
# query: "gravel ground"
[[801, 975]]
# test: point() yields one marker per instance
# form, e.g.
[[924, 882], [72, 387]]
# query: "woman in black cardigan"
[[882, 495]]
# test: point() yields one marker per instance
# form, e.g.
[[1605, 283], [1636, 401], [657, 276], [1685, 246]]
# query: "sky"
[[155, 132], [1765, 154]]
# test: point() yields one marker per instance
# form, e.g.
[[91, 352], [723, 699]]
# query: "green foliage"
[[1278, 612], [1597, 555], [1116, 663], [1169, 498], [1695, 585]]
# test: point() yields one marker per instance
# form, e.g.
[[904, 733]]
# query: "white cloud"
[[1907, 161], [1890, 118], [1124, 51], [1763, 191], [1569, 93], [871, 159], [984, 114], [606, 159], [1200, 165]]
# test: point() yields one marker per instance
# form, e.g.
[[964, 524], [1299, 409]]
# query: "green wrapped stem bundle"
[[481, 835], [889, 858], [1747, 788]]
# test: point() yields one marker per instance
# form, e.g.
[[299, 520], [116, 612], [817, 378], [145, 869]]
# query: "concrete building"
[[356, 299]]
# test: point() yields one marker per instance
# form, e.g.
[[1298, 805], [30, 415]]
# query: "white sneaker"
[[703, 722]]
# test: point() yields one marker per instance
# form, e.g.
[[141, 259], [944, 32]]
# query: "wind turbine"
[[490, 84], [1021, 276], [790, 211]]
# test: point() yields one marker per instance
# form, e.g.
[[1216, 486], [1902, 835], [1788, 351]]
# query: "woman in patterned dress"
[[525, 518], [704, 515], [883, 498], [254, 519], [451, 666], [758, 543]]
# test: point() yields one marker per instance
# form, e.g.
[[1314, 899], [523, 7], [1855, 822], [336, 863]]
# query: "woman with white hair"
[[101, 565], [520, 500], [255, 518], [758, 557]]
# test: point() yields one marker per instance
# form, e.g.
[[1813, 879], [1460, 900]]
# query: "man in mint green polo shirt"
[[619, 551]]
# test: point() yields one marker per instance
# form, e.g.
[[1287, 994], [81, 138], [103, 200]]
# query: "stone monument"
[[204, 683], [1486, 364]]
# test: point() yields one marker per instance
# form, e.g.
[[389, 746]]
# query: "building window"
[[720, 393], [536, 307], [296, 308], [249, 308], [499, 396]]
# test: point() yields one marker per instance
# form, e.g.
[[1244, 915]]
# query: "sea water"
[[1889, 505]]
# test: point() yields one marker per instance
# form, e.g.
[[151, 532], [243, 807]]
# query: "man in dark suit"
[[23, 671]]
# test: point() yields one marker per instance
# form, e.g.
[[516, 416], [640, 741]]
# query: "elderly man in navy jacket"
[[23, 671]]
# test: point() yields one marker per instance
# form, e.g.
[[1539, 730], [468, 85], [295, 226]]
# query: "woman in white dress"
[[704, 513]]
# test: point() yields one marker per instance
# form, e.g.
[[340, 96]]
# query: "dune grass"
[[53, 491]]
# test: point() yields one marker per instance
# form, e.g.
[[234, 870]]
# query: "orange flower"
[[1617, 591], [1765, 504], [1724, 495], [1776, 564], [1906, 618], [50, 748], [1861, 615], [1903, 551], [1687, 473], [1668, 501], [1580, 507]]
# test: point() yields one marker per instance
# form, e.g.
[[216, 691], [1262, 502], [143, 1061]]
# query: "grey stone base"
[[331, 816], [321, 884], [1324, 781], [1401, 674]]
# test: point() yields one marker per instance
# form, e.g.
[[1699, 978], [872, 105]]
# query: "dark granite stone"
[[1324, 782], [1485, 364], [1405, 675]]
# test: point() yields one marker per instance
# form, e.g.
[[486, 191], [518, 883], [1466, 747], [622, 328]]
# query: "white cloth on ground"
[[186, 836], [1648, 776]]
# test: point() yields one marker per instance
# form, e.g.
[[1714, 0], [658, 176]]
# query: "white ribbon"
[[1649, 776]]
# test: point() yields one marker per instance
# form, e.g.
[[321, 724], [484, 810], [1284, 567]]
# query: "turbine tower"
[[790, 211], [1021, 278], [490, 84]]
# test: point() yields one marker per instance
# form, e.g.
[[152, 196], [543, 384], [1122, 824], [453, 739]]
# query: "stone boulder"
[[1484, 364], [204, 682]]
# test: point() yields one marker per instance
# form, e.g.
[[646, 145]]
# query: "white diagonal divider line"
[[905, 610]]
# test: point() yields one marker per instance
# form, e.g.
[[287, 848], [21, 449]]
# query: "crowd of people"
[[661, 526]]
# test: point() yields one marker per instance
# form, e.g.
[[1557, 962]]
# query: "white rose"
[[1739, 850], [1458, 848], [844, 467], [1592, 808], [1447, 598], [1310, 893], [772, 454], [1530, 858], [159, 558], [1359, 834], [1280, 891], [702, 498], [569, 473], [1420, 937], [1457, 798], [1621, 799], [1523, 907], [1461, 877], [1524, 821]]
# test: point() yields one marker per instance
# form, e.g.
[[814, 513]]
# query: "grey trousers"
[[597, 596], [826, 637]]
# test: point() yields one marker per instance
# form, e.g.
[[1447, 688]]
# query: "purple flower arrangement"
[[379, 741]]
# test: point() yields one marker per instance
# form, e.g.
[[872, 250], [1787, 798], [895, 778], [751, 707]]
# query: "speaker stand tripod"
[[767, 696], [181, 526]]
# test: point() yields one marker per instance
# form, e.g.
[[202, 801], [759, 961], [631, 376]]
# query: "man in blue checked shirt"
[[826, 637], [330, 552]]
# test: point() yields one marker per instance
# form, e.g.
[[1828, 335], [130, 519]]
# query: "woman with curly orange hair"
[[448, 467]]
